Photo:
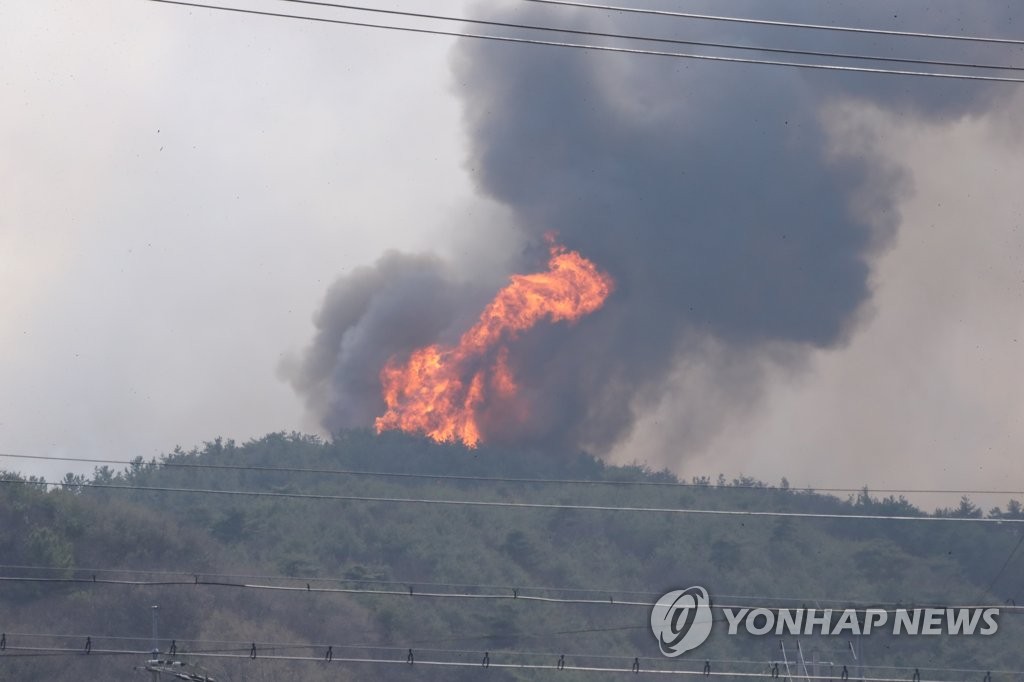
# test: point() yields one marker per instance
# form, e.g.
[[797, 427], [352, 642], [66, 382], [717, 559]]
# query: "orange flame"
[[440, 390]]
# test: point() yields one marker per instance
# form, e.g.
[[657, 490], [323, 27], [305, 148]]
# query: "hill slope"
[[596, 555]]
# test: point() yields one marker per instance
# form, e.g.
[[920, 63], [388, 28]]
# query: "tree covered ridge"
[[79, 526]]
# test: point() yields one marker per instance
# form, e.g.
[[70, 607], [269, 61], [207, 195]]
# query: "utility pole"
[[857, 646], [157, 666], [154, 649]]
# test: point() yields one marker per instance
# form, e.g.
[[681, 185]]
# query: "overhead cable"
[[600, 48], [168, 463], [419, 594], [185, 647], [651, 39], [494, 504], [410, 661], [785, 24]]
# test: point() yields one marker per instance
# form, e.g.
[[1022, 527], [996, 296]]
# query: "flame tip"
[[440, 391]]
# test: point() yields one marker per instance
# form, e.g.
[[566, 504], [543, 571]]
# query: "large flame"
[[440, 390]]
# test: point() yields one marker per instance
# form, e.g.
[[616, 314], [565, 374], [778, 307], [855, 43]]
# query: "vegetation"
[[80, 526]]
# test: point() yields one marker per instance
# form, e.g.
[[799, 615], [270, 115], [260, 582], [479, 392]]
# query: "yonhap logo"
[[681, 620]]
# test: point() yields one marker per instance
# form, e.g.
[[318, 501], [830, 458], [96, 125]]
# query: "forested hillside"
[[375, 579]]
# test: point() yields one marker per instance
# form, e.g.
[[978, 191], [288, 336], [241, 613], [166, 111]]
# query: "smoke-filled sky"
[[216, 224]]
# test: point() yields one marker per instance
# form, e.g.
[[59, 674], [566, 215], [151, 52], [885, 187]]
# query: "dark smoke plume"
[[711, 193], [400, 303]]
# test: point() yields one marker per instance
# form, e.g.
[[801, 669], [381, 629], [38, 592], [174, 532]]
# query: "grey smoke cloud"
[[712, 193], [398, 304]]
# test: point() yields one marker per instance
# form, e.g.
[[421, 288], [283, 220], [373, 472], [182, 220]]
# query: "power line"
[[263, 646], [183, 648], [417, 583], [600, 48], [413, 661], [411, 592], [325, 590], [477, 636], [239, 645], [672, 41], [167, 464], [611, 596], [523, 505], [785, 24]]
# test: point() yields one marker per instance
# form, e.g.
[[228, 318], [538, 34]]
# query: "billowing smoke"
[[398, 304], [736, 231]]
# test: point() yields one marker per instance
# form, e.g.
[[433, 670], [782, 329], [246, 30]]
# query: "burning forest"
[[440, 391]]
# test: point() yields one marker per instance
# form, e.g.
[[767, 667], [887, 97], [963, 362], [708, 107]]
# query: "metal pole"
[[155, 648]]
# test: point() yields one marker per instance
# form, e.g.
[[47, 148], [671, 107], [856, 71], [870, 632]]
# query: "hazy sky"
[[178, 188]]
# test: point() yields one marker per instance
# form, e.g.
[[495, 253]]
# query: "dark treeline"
[[76, 528]]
